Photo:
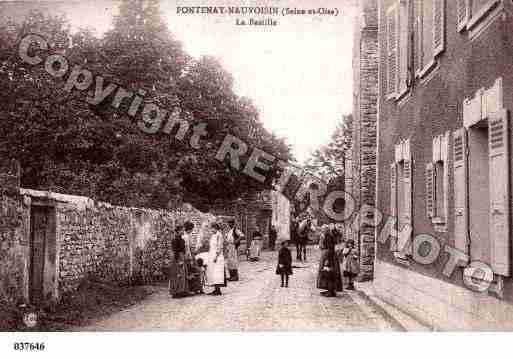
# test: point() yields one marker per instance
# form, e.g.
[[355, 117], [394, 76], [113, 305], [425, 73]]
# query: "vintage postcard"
[[255, 166]]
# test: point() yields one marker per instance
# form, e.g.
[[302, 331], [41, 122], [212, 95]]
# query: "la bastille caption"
[[254, 15]]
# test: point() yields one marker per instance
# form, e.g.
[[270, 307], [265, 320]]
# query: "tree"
[[328, 161], [65, 144]]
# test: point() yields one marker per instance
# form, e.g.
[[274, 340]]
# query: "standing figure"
[[256, 246], [215, 266], [201, 268], [190, 261], [293, 233], [233, 239], [302, 239], [329, 276], [350, 265], [284, 268], [273, 234], [178, 286]]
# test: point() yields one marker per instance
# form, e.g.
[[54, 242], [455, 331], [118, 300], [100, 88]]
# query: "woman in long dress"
[[256, 246], [193, 270], [215, 267], [329, 276], [178, 286], [232, 256]]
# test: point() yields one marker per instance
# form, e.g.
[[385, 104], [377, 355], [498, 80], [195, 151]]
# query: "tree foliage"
[[328, 161], [65, 144], [328, 164]]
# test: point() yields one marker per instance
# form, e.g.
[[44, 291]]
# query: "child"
[[350, 263], [284, 267], [202, 266], [201, 263]]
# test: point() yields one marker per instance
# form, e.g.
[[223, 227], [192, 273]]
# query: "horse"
[[302, 238]]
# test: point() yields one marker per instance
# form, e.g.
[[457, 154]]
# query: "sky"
[[297, 73]]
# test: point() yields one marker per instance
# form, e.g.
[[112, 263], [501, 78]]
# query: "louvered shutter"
[[417, 40], [462, 13], [444, 149], [438, 26], [408, 198], [392, 49], [393, 201], [430, 193], [436, 148], [499, 192], [417, 45], [460, 175]]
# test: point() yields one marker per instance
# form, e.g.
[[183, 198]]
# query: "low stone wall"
[[93, 240], [14, 216], [438, 304]]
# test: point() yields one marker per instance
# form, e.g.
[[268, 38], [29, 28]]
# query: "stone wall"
[[92, 240], [438, 304], [251, 213], [363, 156], [14, 216]]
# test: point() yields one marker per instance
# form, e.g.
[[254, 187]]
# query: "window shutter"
[[417, 45], [499, 192], [438, 26], [408, 198], [430, 193], [436, 148], [462, 13], [392, 49], [460, 170], [418, 39], [393, 200], [445, 158]]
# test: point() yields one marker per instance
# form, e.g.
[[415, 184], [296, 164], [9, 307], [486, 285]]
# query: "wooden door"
[[39, 231]]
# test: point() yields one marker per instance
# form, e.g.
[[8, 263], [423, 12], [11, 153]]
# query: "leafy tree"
[[328, 163], [67, 145]]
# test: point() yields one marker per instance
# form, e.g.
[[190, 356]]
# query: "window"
[[401, 191], [429, 34], [392, 50], [404, 44], [474, 15], [398, 48], [437, 182], [481, 186]]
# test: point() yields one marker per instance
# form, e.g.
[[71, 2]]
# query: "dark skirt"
[[178, 281], [286, 269], [323, 278], [194, 278]]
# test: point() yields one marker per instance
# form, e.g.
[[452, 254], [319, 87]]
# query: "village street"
[[256, 302]]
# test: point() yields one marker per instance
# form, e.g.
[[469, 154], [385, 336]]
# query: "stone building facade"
[[444, 161], [50, 242], [361, 162]]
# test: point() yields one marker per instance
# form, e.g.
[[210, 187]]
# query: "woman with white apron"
[[215, 269], [233, 239], [256, 247]]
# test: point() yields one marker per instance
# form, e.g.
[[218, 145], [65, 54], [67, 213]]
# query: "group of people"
[[329, 277], [191, 270], [330, 273]]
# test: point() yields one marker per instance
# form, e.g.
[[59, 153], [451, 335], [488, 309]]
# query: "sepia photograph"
[[232, 167]]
